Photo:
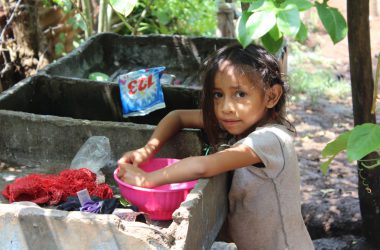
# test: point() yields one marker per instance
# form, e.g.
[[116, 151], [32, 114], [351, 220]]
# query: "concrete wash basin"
[[113, 54], [46, 118]]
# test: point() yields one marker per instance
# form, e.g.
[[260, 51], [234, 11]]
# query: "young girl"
[[243, 96]]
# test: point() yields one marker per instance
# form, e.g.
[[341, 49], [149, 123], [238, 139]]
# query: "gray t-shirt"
[[265, 209]]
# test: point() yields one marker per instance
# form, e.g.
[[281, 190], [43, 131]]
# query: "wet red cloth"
[[54, 189]]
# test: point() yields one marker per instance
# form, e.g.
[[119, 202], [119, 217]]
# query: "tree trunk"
[[226, 19], [30, 48], [362, 95]]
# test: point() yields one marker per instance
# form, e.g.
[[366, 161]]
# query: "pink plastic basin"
[[159, 202]]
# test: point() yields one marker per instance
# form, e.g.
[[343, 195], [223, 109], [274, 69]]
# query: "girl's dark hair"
[[253, 61]]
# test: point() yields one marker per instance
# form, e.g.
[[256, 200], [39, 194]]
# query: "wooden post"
[[362, 95], [226, 19]]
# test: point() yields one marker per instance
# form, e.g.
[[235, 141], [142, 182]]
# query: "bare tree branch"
[[9, 21]]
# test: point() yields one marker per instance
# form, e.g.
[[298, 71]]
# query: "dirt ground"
[[330, 202], [339, 51]]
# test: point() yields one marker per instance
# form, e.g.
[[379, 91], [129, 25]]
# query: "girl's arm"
[[193, 167], [171, 124], [166, 128]]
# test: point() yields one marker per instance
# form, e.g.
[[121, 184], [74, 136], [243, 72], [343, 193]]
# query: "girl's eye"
[[240, 94], [217, 95]]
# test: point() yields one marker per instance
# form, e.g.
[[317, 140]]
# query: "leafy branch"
[[270, 21]]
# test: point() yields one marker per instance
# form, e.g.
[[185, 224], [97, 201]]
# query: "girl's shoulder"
[[273, 144], [277, 129], [268, 136]]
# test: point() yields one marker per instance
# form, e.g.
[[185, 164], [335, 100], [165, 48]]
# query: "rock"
[[351, 242]]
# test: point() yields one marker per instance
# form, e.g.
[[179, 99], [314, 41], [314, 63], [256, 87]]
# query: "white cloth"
[[265, 209]]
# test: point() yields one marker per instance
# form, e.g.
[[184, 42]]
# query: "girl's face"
[[238, 102]]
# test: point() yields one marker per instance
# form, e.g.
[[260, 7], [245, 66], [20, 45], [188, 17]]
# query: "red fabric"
[[52, 189]]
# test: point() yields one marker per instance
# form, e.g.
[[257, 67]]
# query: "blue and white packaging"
[[141, 91]]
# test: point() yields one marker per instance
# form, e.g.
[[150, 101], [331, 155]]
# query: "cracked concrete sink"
[[45, 119]]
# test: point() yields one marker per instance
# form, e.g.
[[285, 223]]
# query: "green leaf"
[[302, 33], [255, 5], [288, 20], [66, 5], [261, 5], [337, 145], [79, 22], [302, 5], [325, 166], [270, 44], [259, 23], [123, 7], [333, 148], [275, 33], [241, 34], [62, 37], [59, 48], [364, 139], [255, 25], [124, 202], [163, 17], [333, 22]]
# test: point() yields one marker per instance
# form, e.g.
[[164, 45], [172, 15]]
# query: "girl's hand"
[[136, 157], [132, 175]]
